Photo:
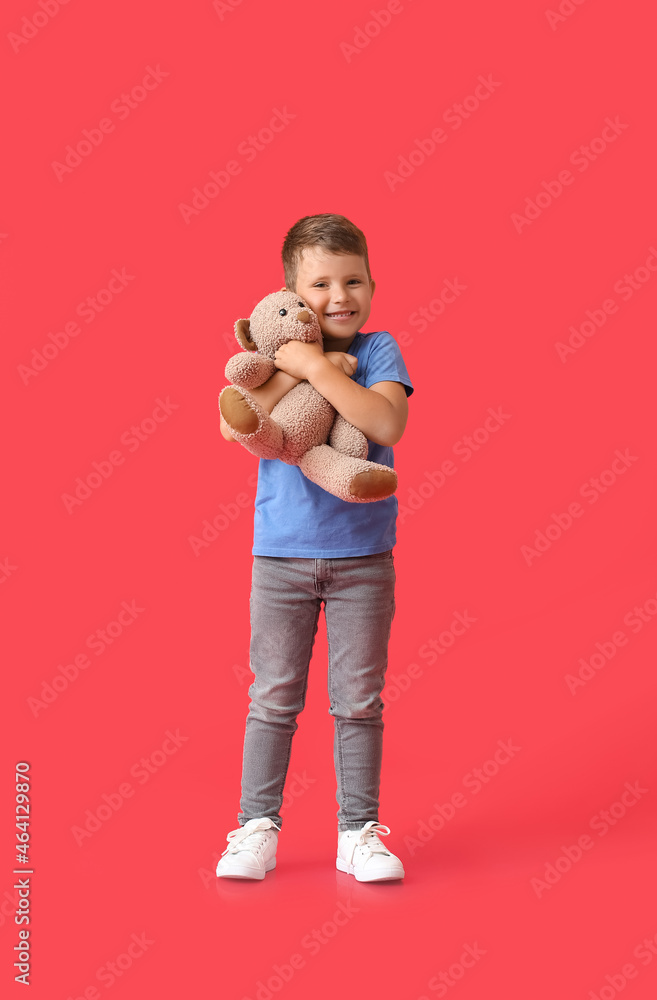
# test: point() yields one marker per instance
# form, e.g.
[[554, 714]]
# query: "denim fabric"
[[358, 594]]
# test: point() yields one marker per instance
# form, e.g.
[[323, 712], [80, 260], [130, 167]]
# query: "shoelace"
[[369, 837], [249, 836]]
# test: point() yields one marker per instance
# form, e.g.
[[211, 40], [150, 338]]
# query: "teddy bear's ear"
[[242, 332]]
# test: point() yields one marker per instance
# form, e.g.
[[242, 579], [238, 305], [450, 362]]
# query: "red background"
[[181, 664]]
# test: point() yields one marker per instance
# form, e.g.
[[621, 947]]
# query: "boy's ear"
[[242, 332], [372, 287]]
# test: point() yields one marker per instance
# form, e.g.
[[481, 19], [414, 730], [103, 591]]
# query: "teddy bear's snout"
[[303, 316]]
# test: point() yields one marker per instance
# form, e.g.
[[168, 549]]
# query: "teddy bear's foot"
[[352, 479], [373, 485], [237, 412], [250, 424]]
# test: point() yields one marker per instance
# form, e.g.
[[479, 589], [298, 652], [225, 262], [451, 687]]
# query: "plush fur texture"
[[303, 428]]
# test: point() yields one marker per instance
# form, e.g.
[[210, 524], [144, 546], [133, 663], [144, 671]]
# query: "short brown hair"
[[333, 233]]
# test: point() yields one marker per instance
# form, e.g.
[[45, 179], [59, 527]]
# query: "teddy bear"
[[304, 429]]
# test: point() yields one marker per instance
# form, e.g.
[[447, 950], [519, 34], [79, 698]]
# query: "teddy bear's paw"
[[373, 485], [237, 412]]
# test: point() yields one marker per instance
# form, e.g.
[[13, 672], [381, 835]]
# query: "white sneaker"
[[251, 850], [361, 853]]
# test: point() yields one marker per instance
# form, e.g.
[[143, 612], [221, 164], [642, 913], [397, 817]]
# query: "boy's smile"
[[337, 289]]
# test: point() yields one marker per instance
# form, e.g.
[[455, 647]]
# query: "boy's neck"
[[338, 345]]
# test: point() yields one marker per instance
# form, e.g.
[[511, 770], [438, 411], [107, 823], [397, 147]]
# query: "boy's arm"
[[268, 395], [380, 412], [273, 390]]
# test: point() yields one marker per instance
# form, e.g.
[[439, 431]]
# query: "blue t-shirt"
[[294, 517]]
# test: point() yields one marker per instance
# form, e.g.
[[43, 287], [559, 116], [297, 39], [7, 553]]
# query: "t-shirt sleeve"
[[386, 364]]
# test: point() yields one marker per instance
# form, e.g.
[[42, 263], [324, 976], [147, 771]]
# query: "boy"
[[311, 547]]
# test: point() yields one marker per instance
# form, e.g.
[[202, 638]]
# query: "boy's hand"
[[225, 429], [346, 363], [297, 358]]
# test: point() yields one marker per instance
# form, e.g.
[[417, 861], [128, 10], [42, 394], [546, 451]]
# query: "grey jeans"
[[358, 593]]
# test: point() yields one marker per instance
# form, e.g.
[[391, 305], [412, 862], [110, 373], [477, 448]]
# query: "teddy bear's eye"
[[300, 304], [282, 312]]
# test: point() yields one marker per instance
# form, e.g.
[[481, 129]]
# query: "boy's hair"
[[333, 233]]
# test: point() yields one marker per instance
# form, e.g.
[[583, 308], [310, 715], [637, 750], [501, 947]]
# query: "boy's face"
[[332, 285]]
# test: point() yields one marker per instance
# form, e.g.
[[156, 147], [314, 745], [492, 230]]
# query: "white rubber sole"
[[245, 872], [380, 875]]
